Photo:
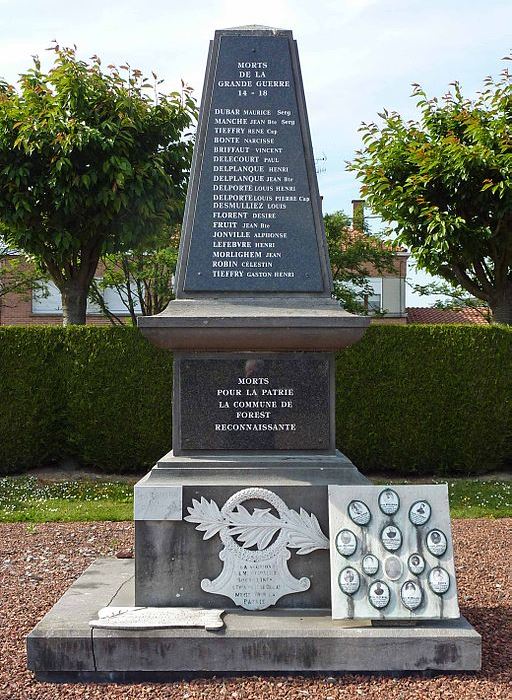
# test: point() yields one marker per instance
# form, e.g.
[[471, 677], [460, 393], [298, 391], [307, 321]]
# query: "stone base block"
[[62, 647]]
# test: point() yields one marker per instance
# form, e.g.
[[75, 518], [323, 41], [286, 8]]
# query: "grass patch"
[[25, 499]]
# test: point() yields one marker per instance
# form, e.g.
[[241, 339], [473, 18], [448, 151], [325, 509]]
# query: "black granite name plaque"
[[253, 402], [253, 222]]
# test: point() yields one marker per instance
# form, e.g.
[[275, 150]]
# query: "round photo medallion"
[[391, 538], [349, 580], [378, 594], [436, 543], [411, 595], [420, 512], [370, 564], [393, 568], [439, 580], [416, 564], [346, 542], [359, 512], [389, 501]]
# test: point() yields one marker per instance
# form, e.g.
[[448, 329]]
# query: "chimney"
[[358, 214]]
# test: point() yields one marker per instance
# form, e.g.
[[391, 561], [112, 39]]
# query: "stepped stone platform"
[[63, 647]]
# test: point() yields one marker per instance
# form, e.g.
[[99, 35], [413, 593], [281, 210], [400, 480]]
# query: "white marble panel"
[[157, 501], [398, 564]]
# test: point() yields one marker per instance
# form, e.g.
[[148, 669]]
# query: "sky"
[[357, 56]]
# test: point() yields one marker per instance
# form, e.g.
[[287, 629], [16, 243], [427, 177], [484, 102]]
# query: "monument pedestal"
[[172, 559], [64, 648]]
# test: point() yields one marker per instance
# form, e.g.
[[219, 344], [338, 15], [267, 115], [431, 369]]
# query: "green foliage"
[[410, 400], [427, 399], [31, 427], [92, 162], [118, 398], [354, 255], [446, 182]]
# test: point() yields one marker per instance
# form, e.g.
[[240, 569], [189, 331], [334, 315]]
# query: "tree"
[[92, 163], [354, 254], [141, 278], [446, 183]]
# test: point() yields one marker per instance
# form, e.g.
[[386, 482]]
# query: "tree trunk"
[[74, 303], [501, 306]]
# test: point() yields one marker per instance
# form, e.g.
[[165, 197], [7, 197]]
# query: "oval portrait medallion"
[[346, 542], [379, 595], [391, 538], [436, 543], [411, 595], [359, 512], [370, 564], [420, 512], [349, 580], [439, 580], [389, 501], [416, 564], [393, 568]]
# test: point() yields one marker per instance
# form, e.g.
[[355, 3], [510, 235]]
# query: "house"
[[46, 309], [416, 314], [387, 303]]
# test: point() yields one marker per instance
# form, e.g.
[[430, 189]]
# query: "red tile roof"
[[417, 314]]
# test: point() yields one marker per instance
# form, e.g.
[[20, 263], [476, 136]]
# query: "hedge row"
[[414, 399]]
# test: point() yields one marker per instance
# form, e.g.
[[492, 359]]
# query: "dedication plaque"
[[391, 553], [253, 222], [254, 402]]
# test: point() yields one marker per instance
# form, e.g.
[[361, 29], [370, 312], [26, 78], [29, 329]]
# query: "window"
[[373, 301], [50, 302]]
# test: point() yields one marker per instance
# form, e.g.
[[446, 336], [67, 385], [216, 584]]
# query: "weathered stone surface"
[[267, 402], [162, 502], [62, 647], [253, 222], [407, 529]]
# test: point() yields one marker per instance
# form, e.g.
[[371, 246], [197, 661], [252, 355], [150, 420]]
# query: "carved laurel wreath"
[[257, 529]]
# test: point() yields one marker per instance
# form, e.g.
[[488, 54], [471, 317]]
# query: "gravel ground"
[[38, 563]]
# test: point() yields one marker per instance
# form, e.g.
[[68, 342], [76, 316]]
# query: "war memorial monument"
[[259, 547]]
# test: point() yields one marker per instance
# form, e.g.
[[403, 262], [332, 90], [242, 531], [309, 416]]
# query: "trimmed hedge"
[[427, 399], [413, 399]]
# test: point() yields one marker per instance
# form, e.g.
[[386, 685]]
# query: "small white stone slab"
[[126, 618], [157, 501]]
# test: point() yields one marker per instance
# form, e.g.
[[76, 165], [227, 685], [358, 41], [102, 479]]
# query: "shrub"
[[435, 399], [118, 398], [410, 400], [31, 430]]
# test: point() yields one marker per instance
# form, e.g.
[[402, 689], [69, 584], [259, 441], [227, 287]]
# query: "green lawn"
[[25, 499]]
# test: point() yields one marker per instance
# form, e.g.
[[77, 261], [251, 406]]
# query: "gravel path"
[[38, 563]]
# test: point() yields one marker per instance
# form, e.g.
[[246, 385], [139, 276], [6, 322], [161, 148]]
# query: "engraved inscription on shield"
[[439, 580], [389, 501], [379, 594], [349, 580], [419, 512], [346, 543], [416, 564], [359, 512], [411, 595], [393, 568], [437, 543], [257, 546], [370, 564], [391, 538]]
